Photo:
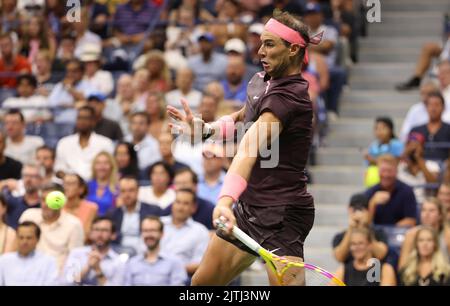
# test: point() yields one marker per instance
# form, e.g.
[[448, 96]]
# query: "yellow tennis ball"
[[55, 200], [372, 176]]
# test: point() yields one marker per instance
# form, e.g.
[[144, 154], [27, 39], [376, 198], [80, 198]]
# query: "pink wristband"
[[226, 125], [233, 186]]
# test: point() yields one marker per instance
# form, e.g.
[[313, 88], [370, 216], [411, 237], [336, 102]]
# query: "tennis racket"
[[284, 268]]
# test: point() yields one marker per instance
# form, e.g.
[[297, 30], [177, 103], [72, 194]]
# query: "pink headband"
[[275, 27]]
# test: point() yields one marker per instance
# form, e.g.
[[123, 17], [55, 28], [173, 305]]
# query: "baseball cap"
[[359, 201], [235, 45], [97, 96], [91, 52], [256, 28], [206, 36], [312, 8]]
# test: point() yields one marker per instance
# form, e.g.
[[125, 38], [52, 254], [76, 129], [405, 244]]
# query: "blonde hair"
[[387, 158], [159, 56], [113, 176], [439, 263]]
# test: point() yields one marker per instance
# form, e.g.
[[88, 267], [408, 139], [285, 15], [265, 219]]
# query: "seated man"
[[19, 145], [435, 130], [391, 202], [211, 182], [154, 268], [186, 178], [104, 126], [358, 218], [184, 238], [97, 264], [61, 232], [34, 105], [22, 195], [27, 267], [127, 217]]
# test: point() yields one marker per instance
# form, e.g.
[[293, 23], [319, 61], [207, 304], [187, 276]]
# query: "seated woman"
[[75, 190], [126, 159], [431, 214], [102, 189], [354, 273], [426, 265], [7, 234], [159, 193]]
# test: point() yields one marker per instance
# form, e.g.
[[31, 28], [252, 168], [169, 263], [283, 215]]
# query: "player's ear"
[[294, 50]]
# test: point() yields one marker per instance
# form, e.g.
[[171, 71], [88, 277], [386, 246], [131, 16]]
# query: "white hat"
[[91, 52], [256, 28], [236, 45]]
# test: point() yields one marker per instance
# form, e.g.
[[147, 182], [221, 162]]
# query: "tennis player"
[[272, 204]]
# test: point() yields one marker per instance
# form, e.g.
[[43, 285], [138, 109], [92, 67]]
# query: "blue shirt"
[[130, 22], [394, 147], [16, 207], [239, 95], [36, 269], [112, 267], [207, 72], [165, 271], [208, 192], [402, 204], [105, 202]]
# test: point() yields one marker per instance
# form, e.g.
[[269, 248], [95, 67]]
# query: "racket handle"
[[246, 239]]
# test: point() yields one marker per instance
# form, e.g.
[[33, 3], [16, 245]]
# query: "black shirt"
[[110, 129], [16, 207], [354, 277], [442, 135], [427, 281], [10, 169], [280, 178]]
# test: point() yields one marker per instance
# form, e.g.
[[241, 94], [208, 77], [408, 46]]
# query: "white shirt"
[[188, 242], [37, 269], [33, 108], [194, 97], [147, 150], [406, 177], [146, 195], [25, 152], [102, 81], [190, 155], [70, 157]]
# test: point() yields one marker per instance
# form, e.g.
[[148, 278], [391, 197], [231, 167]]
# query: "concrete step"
[[373, 110], [334, 194], [338, 175], [415, 41], [331, 215], [343, 141], [414, 6], [375, 81], [339, 156], [360, 125], [375, 70], [405, 17], [385, 57], [358, 96], [321, 257], [322, 236]]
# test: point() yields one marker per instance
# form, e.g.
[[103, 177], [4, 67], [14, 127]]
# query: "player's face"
[[274, 55]]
